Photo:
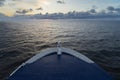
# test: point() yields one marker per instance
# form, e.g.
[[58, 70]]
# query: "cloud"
[[117, 9], [113, 9], [40, 8], [24, 11], [108, 12], [94, 7], [110, 8], [92, 11], [2, 2], [60, 2]]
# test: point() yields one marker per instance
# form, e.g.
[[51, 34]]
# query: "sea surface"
[[97, 39]]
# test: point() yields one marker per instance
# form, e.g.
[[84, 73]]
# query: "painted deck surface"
[[64, 67]]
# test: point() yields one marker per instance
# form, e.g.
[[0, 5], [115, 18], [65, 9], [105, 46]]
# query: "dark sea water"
[[97, 39]]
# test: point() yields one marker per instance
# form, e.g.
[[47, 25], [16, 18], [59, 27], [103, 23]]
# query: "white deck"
[[52, 50]]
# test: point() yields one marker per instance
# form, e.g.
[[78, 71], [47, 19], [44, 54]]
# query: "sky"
[[31, 7]]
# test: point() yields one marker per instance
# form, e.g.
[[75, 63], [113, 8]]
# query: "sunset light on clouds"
[[9, 7], [30, 7]]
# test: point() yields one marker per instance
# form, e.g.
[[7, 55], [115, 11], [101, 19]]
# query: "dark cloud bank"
[[40, 8], [60, 2], [24, 11], [109, 12], [2, 2]]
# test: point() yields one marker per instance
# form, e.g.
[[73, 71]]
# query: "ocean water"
[[97, 39]]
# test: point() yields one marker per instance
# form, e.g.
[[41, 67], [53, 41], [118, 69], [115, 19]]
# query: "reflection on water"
[[97, 39]]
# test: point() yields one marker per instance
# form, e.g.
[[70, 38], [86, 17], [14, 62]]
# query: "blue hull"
[[63, 67]]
